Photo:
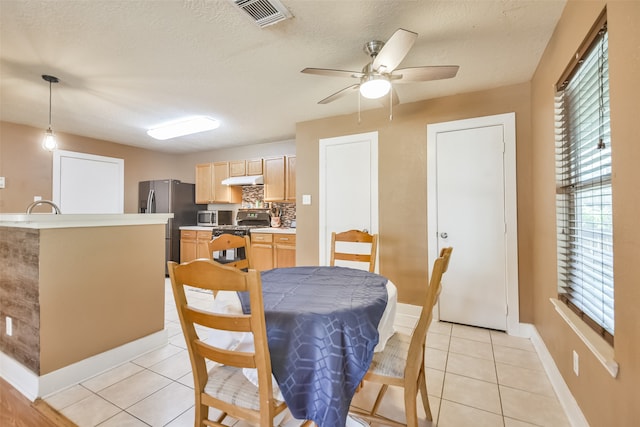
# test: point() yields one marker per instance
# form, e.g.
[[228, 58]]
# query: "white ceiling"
[[126, 66]]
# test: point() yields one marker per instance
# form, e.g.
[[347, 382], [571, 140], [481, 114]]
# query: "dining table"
[[323, 326]]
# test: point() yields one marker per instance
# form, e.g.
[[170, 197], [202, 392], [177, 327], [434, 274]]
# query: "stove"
[[246, 220]]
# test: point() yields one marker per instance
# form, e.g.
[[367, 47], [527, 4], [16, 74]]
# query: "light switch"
[[1, 181], [306, 199]]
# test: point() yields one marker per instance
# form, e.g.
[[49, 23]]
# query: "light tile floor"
[[475, 377]]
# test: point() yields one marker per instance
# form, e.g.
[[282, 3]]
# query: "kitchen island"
[[79, 294]]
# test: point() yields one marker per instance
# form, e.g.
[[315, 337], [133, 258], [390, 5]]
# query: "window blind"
[[583, 196]]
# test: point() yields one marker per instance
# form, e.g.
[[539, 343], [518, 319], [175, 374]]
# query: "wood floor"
[[18, 411]]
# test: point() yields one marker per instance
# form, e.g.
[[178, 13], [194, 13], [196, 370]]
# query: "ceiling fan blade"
[[394, 51], [340, 94], [421, 74], [332, 73]]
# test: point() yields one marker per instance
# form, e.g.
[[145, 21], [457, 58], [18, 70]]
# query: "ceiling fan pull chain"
[[390, 105], [359, 108]]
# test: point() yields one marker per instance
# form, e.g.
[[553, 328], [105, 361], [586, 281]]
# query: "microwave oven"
[[215, 217]]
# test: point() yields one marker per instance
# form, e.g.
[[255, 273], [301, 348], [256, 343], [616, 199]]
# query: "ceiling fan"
[[377, 76]]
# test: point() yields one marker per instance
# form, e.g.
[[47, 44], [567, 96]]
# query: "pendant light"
[[49, 142]]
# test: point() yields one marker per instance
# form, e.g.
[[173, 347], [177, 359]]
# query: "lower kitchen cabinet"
[[262, 251], [194, 244], [284, 250], [273, 250]]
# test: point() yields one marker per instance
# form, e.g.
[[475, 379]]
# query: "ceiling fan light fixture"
[[183, 127], [375, 86]]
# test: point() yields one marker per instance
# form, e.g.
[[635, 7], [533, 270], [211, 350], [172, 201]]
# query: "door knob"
[[444, 235]]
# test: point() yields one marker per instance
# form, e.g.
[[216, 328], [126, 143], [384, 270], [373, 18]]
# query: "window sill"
[[598, 346]]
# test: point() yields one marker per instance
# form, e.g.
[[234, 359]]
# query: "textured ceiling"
[[126, 66]]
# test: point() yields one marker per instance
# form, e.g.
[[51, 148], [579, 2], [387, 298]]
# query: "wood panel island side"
[[81, 294]]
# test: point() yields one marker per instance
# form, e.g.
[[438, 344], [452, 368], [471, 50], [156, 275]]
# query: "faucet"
[[41, 202]]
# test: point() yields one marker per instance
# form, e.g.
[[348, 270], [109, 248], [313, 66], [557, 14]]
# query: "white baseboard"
[[568, 402], [33, 386]]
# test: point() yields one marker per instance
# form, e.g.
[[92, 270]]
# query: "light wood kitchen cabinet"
[[194, 244], [291, 178], [204, 181], [273, 250], [245, 167], [209, 187], [284, 250], [262, 251], [237, 168], [274, 170], [254, 167], [280, 179]]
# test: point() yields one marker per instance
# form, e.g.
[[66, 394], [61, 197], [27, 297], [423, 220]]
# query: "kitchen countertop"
[[45, 220], [197, 227], [253, 230]]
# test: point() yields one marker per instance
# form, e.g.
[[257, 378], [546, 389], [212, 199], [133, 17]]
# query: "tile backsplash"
[[255, 194]]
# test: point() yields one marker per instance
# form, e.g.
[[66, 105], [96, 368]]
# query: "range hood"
[[244, 180]]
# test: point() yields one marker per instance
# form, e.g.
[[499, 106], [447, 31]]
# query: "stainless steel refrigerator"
[[170, 196]]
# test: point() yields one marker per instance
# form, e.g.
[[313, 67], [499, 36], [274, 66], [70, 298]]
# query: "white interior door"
[[348, 187], [471, 210], [86, 183]]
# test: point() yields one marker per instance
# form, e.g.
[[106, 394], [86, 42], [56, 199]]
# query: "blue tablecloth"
[[322, 328]]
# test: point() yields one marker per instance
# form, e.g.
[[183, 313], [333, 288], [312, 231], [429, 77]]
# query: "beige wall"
[[402, 183], [605, 401], [246, 152], [28, 168]]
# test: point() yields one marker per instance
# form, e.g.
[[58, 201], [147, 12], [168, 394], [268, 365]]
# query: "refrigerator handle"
[[150, 197]]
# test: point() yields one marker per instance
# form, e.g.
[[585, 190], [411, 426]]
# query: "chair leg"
[[378, 401], [422, 387], [410, 404], [202, 413]]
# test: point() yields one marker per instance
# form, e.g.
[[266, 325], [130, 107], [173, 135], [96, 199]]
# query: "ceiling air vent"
[[264, 12]]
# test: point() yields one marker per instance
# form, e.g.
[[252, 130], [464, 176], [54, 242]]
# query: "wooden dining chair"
[[229, 241], [355, 236], [401, 363], [225, 387]]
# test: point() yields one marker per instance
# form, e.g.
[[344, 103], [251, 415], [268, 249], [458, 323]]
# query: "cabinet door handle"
[[284, 238]]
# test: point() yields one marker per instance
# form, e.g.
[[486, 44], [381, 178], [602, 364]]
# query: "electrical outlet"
[[37, 198], [576, 363], [9, 323], [2, 182]]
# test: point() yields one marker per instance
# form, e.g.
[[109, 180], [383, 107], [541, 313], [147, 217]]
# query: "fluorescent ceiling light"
[[183, 127]]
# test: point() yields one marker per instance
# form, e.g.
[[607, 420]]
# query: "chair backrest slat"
[[226, 357], [224, 322]]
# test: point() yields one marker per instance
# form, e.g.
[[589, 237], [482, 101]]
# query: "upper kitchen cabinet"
[[291, 178], [245, 167], [279, 175], [209, 187], [238, 168], [254, 167]]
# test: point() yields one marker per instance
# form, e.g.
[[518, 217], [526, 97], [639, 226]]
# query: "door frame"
[[372, 137], [507, 121]]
